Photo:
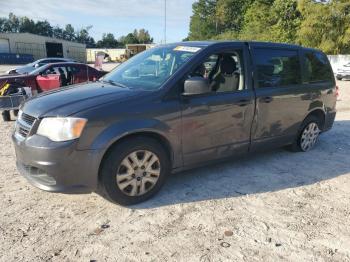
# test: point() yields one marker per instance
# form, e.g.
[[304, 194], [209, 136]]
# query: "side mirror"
[[196, 85]]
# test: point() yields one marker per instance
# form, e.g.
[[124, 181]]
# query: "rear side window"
[[277, 67], [317, 67], [74, 69]]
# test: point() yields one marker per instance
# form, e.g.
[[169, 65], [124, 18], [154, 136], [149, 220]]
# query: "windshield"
[[150, 69]]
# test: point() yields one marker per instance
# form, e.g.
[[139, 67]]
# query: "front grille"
[[24, 124], [28, 119], [22, 131]]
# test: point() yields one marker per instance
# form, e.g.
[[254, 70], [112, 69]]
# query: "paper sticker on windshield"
[[191, 49]]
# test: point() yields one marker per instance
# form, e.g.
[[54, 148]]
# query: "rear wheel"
[[6, 115], [308, 134], [134, 171]]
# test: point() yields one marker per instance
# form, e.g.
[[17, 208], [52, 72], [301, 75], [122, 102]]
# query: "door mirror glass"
[[196, 85]]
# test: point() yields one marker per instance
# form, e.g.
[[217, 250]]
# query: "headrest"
[[228, 65]]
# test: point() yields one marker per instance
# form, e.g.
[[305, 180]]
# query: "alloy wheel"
[[309, 136], [138, 173]]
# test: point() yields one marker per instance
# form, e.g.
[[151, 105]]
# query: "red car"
[[56, 75]]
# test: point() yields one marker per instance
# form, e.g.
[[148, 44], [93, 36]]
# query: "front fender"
[[123, 128], [118, 130]]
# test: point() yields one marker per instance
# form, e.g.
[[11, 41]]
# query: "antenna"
[[164, 21]]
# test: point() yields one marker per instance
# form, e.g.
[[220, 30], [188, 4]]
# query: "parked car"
[[36, 64], [55, 75], [46, 78], [343, 72], [124, 134]]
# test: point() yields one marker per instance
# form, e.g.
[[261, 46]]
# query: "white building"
[[41, 46]]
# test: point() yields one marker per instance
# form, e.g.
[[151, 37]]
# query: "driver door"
[[49, 80], [217, 124]]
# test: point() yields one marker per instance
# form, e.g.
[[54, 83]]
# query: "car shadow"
[[261, 172]]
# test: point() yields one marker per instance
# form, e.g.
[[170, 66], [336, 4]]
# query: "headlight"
[[61, 128], [19, 115]]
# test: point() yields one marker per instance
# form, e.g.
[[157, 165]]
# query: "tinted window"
[[74, 69], [317, 67], [277, 68]]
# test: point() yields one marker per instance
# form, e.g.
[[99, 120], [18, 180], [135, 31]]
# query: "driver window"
[[224, 71], [61, 71]]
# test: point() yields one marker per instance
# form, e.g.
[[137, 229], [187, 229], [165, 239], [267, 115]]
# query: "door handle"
[[266, 99], [243, 102]]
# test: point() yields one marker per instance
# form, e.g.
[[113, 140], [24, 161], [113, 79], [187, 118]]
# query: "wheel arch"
[[320, 114], [163, 141]]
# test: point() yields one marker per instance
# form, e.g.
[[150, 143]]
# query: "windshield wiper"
[[114, 83]]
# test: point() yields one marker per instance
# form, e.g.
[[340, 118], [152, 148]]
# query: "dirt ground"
[[275, 206]]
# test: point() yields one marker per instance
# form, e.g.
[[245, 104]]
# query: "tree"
[[58, 32], [276, 21], [203, 23], [108, 41], [69, 33], [129, 39], [322, 24], [230, 14], [14, 24], [143, 37], [82, 36], [325, 26], [257, 22], [286, 20], [43, 28], [11, 24], [27, 25]]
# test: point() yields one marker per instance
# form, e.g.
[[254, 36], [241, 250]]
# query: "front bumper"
[[343, 75], [57, 166]]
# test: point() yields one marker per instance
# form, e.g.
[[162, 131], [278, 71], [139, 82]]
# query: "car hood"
[[71, 100], [24, 69]]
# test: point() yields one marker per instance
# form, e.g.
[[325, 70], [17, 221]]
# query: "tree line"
[[18, 24], [319, 24]]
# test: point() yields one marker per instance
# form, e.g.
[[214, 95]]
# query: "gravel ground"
[[275, 206]]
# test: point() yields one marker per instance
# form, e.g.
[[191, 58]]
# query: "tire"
[[302, 137], [339, 78], [15, 112], [113, 166], [6, 116]]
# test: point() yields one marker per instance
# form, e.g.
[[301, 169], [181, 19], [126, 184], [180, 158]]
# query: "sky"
[[119, 17]]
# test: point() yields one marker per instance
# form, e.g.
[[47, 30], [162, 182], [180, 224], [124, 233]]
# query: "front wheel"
[[134, 170], [6, 116], [308, 135]]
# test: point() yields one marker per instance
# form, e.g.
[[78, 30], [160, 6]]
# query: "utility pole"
[[164, 21]]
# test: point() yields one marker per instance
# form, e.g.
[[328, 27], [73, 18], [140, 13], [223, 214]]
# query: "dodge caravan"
[[170, 108]]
